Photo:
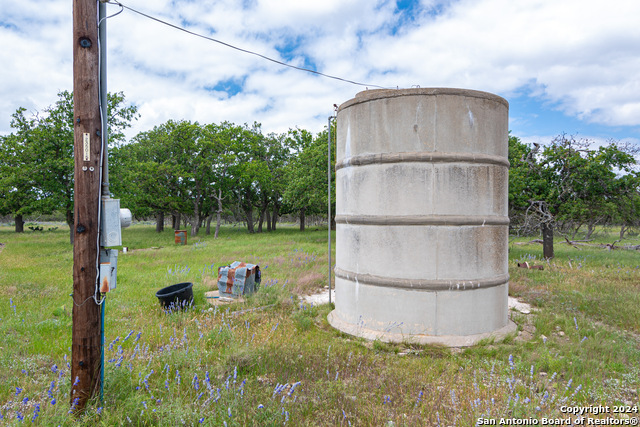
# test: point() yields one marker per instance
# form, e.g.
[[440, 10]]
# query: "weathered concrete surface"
[[421, 213]]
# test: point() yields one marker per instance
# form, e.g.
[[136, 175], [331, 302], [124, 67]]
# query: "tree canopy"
[[197, 172]]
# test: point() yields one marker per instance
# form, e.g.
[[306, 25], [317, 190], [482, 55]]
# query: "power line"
[[240, 49]]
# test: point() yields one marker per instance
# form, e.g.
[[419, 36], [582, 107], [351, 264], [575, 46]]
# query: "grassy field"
[[284, 364]]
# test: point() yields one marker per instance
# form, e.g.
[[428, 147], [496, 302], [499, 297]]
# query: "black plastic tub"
[[176, 296]]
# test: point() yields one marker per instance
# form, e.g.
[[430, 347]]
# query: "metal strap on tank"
[[423, 157], [441, 220], [424, 285]]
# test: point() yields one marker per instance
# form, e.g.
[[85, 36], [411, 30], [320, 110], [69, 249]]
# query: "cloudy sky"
[[569, 66]]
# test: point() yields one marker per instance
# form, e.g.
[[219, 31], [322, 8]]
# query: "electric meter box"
[[111, 231], [108, 269]]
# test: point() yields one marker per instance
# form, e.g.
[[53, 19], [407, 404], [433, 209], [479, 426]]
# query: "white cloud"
[[581, 56]]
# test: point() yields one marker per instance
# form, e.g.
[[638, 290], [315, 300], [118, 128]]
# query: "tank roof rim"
[[376, 94]]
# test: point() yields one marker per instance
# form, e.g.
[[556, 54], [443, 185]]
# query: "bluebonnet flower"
[[18, 390], [196, 382], [207, 380], [576, 323], [387, 399], [577, 390], [261, 406], [569, 384], [74, 404], [293, 387], [53, 401], [113, 342]]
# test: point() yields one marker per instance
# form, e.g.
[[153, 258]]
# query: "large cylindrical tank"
[[421, 216]]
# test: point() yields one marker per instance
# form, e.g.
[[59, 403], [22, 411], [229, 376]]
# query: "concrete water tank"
[[421, 216]]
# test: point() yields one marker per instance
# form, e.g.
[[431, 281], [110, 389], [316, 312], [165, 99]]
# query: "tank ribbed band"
[[425, 285], [438, 220], [423, 157]]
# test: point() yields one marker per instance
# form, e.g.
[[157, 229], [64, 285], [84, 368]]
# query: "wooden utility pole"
[[85, 347]]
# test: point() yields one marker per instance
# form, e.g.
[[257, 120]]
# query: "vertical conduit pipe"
[[102, 309], [329, 200], [104, 134]]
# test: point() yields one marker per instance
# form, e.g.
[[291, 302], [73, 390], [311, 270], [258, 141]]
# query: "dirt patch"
[[8, 290], [210, 282], [309, 281], [526, 333]]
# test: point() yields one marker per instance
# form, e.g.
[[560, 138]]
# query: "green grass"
[[284, 363]]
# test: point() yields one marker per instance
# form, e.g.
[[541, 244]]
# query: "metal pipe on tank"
[[329, 200]]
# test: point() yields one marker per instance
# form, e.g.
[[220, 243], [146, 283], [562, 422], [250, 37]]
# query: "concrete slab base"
[[446, 340]]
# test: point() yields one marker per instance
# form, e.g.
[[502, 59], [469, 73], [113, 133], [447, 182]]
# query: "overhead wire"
[[115, 2]]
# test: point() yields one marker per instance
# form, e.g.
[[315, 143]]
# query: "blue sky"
[[570, 66]]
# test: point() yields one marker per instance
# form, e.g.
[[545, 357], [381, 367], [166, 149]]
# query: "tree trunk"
[[333, 222], [159, 222], [268, 219], [547, 240], [19, 224], [218, 213], [260, 221], [177, 218], [575, 231], [590, 229], [208, 229], [195, 225], [274, 217], [623, 229], [302, 211], [69, 218], [248, 213]]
